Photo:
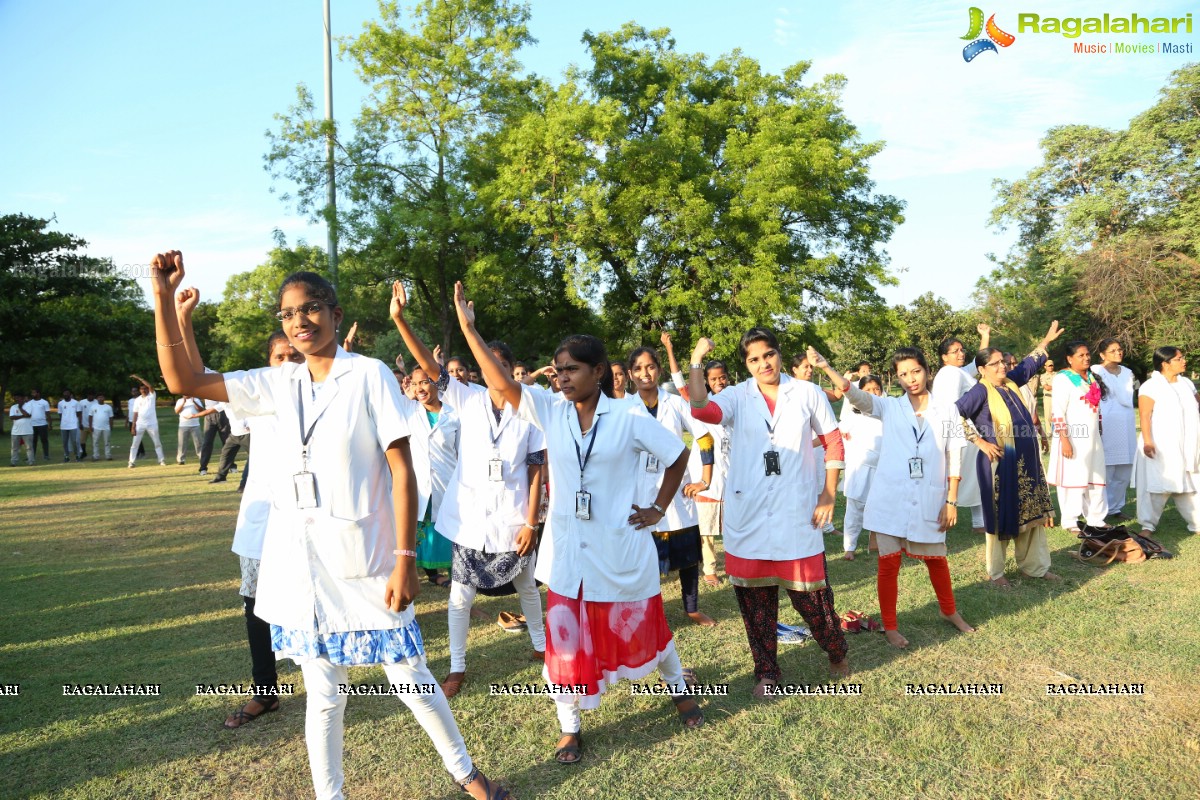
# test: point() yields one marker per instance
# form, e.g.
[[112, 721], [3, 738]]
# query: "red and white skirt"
[[593, 644]]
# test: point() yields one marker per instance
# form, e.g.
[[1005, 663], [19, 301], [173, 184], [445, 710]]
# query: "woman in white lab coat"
[[954, 379], [490, 511], [604, 610], [1169, 458], [915, 486], [774, 507], [862, 434], [333, 588], [678, 537]]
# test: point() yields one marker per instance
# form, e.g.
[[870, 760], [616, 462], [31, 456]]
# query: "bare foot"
[[1049, 576], [761, 691], [700, 618], [957, 621], [839, 670], [978, 530], [453, 684], [848, 555], [477, 614], [895, 639], [1002, 583]]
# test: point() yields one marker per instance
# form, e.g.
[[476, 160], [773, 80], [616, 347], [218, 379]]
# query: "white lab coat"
[[255, 508], [863, 436], [897, 504], [330, 563], [770, 517], [949, 385], [611, 559], [479, 513], [434, 453], [674, 416]]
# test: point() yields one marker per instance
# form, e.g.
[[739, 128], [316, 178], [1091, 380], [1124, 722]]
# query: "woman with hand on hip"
[[1119, 435], [1169, 458], [491, 505], [678, 536], [604, 609], [774, 509], [1016, 502], [343, 491], [1076, 452], [954, 379], [913, 491]]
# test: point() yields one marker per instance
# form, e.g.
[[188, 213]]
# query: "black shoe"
[[218, 479]]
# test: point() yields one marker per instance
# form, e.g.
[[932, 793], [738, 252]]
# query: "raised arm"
[[421, 353], [166, 274], [697, 391], [185, 305], [497, 376], [665, 338]]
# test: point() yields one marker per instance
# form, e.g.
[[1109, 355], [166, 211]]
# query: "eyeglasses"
[[995, 364], [309, 310]]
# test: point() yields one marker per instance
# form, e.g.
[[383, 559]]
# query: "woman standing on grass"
[[774, 509], [604, 609], [1169, 461], [1016, 502], [1119, 436], [678, 536], [862, 434], [1076, 452], [343, 492], [491, 504], [953, 380], [915, 487]]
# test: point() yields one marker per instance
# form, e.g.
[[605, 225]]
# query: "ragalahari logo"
[[995, 36]]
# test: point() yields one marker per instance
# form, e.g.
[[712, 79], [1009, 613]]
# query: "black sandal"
[[440, 581], [242, 716], [495, 791], [575, 750], [692, 718]]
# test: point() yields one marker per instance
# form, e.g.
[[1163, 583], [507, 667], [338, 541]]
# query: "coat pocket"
[[350, 549]]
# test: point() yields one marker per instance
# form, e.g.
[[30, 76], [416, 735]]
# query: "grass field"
[[113, 575]]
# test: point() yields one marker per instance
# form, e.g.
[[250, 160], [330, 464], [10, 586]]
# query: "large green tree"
[[700, 195], [67, 320]]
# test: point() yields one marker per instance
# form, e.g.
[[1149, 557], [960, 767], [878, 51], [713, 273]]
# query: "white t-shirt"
[[37, 410], [68, 415], [143, 407], [24, 425], [87, 406], [189, 405], [102, 415]]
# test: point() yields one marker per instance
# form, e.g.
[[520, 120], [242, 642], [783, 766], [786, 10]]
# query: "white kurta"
[[609, 557], [1086, 466], [898, 504], [1119, 436], [1175, 429], [674, 416], [434, 454], [949, 385], [769, 517], [330, 563]]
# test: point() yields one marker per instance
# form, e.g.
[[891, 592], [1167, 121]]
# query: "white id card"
[[651, 462], [306, 489], [916, 468], [583, 505], [495, 470]]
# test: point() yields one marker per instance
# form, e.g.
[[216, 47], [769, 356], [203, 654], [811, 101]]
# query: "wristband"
[[409, 553], [695, 366], [659, 509]]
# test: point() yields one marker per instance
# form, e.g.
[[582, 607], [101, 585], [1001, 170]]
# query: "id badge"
[[583, 505], [916, 468], [495, 470], [651, 462], [725, 445], [771, 457], [306, 489]]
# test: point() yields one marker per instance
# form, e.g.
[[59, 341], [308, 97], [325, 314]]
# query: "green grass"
[[112, 575]]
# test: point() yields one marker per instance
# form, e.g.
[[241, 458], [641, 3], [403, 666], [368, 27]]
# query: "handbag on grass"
[[1102, 546]]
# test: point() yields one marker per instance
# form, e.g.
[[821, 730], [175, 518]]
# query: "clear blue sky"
[[141, 125]]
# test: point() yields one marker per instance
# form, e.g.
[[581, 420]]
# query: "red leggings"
[[886, 582]]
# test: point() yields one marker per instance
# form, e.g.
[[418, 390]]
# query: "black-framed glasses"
[[309, 310], [994, 364]]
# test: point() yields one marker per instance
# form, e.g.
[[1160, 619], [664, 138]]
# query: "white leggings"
[[852, 524], [323, 723], [462, 597], [1116, 483], [670, 669]]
